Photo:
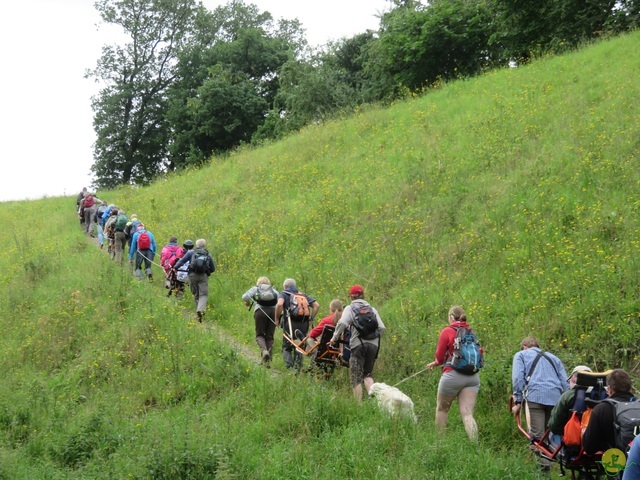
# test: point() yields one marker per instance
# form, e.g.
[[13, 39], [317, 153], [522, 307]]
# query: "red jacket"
[[445, 343], [317, 330]]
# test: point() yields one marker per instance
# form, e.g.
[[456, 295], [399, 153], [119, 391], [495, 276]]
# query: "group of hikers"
[[190, 263], [540, 382]]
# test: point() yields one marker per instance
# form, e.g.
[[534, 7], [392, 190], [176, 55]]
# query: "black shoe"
[[200, 316]]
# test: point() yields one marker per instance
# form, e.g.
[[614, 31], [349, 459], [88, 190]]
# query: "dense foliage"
[[192, 82]]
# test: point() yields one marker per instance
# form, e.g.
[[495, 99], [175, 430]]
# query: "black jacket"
[[600, 435]]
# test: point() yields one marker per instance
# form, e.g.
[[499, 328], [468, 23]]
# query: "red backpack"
[[88, 201], [144, 241]]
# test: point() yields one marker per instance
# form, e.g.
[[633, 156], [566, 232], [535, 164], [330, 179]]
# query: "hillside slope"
[[514, 194]]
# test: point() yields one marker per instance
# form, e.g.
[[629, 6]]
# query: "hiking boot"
[[150, 277], [200, 316]]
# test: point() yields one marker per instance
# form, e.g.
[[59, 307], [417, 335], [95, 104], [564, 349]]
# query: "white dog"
[[392, 400]]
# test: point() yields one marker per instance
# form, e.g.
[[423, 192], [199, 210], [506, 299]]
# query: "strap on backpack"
[[533, 367]]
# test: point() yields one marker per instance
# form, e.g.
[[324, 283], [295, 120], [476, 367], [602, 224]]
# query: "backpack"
[[170, 255], [365, 321], [121, 222], [265, 296], [144, 241], [467, 356], [626, 423], [298, 307], [88, 201], [199, 261]]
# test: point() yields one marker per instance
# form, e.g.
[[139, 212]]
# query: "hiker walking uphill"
[[118, 234], [131, 228], [143, 247], [539, 379], [201, 266], [457, 380], [367, 328], [298, 309], [263, 298], [89, 208]]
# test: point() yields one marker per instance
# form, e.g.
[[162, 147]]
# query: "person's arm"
[[248, 295], [594, 435], [441, 350], [381, 326], [560, 414], [315, 306], [134, 246], [212, 265], [279, 307], [183, 260]]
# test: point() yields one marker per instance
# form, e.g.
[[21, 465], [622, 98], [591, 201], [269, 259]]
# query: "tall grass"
[[514, 194]]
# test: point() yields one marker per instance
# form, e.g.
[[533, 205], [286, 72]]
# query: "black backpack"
[[365, 321], [627, 421], [199, 261]]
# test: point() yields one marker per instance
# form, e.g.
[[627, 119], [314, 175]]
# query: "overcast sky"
[[46, 132]]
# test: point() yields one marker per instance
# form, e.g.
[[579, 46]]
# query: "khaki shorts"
[[452, 382]]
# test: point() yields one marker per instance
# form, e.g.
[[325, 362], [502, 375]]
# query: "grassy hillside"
[[514, 194]]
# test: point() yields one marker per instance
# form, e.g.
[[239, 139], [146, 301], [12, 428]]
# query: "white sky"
[[46, 130]]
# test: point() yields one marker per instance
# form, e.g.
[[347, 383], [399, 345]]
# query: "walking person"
[[263, 298], [366, 329], [99, 222], [201, 266], [120, 239], [298, 309], [143, 247], [539, 379], [89, 208], [453, 383]]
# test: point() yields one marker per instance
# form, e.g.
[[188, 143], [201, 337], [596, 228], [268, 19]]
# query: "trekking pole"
[[410, 376], [262, 310]]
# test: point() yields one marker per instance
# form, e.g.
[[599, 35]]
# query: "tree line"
[[190, 82]]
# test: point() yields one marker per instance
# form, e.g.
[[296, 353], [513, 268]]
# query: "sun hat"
[[356, 290], [580, 368]]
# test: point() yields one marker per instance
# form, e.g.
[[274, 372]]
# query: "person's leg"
[[203, 293], [537, 418], [356, 367], [443, 404], [138, 269], [466, 404], [260, 326]]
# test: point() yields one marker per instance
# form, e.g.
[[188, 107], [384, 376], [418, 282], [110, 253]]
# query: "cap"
[[140, 226], [356, 290], [580, 368]]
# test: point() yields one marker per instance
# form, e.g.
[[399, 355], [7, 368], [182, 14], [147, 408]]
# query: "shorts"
[[361, 362], [452, 382]]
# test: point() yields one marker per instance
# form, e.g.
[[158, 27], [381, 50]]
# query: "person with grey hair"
[[562, 411], [201, 266], [263, 298], [298, 310]]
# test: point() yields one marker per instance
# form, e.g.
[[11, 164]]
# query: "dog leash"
[[410, 376]]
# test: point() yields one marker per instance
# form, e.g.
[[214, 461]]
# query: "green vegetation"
[[514, 194]]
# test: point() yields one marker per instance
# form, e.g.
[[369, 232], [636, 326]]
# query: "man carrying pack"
[[201, 266], [539, 379], [143, 246], [120, 239], [367, 328], [299, 309], [607, 417]]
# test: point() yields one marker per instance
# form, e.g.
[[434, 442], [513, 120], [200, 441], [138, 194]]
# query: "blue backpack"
[[467, 356]]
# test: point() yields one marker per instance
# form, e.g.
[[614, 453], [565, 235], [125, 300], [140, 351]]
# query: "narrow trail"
[[248, 352]]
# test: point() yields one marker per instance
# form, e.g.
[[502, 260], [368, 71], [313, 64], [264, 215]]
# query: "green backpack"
[[121, 222]]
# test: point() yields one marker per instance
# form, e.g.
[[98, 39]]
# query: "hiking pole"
[[410, 376], [266, 314]]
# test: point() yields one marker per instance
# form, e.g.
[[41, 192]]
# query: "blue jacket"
[[134, 243], [106, 215]]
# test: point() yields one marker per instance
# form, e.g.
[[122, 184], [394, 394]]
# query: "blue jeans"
[[100, 234]]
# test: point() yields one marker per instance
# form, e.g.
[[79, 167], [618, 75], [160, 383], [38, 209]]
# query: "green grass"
[[514, 194]]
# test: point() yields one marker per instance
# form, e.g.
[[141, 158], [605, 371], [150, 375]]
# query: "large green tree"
[[130, 111], [228, 79]]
